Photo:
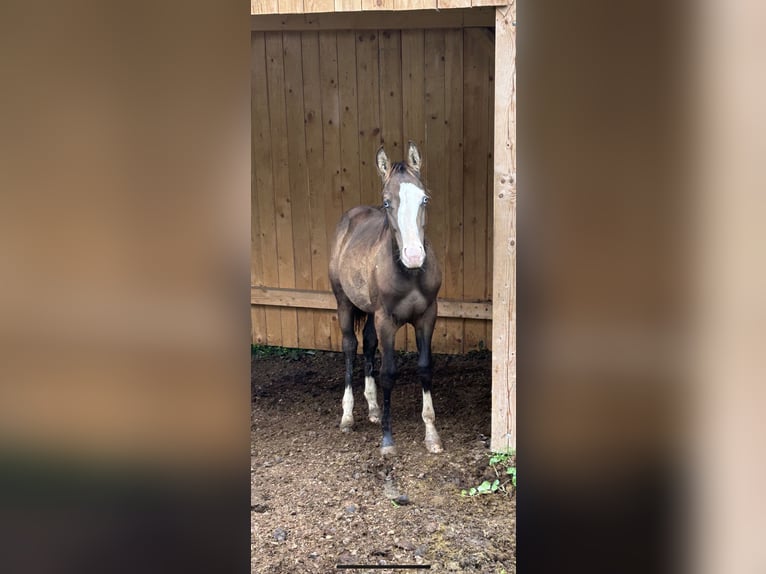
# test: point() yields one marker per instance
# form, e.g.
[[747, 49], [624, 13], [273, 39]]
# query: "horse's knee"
[[388, 374], [350, 343]]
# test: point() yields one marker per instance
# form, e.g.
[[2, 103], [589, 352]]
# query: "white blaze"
[[410, 199]]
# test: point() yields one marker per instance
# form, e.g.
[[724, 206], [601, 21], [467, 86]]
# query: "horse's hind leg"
[[424, 329], [370, 346], [346, 321]]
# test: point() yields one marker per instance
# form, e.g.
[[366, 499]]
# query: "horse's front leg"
[[386, 328], [370, 346], [424, 329]]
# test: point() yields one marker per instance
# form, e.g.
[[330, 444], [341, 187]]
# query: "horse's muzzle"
[[413, 257]]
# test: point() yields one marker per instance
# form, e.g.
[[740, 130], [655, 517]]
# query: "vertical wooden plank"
[[281, 175], [477, 46], [452, 284], [390, 48], [333, 205], [413, 103], [349, 121], [264, 183], [414, 4], [504, 285], [257, 65], [442, 4], [489, 225], [310, 6], [377, 4], [299, 183], [348, 5], [319, 187], [367, 85], [413, 86], [290, 6], [435, 158], [264, 6]]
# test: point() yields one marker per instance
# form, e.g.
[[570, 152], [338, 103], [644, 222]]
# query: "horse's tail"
[[359, 319]]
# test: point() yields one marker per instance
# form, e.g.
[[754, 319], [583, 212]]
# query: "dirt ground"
[[321, 498]]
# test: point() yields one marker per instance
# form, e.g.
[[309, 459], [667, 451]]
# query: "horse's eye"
[[386, 203], [425, 200]]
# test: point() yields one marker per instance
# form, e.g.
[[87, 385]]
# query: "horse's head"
[[405, 199]]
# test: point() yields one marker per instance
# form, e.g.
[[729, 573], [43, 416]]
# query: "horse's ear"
[[381, 160], [413, 157]]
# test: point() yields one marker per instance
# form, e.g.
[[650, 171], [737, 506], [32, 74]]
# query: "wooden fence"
[[323, 100]]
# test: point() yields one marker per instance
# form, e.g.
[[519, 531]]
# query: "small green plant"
[[504, 460], [502, 464]]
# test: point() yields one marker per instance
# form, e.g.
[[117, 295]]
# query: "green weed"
[[505, 470]]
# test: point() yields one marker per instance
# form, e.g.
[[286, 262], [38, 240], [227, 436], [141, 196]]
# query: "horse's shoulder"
[[362, 212]]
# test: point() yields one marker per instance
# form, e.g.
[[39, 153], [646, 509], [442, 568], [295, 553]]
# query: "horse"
[[384, 273]]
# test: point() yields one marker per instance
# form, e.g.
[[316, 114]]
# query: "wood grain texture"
[[478, 3], [477, 138], [325, 300], [367, 85], [446, 4], [435, 164], [374, 20], [504, 262], [414, 4], [258, 7], [490, 122], [260, 186], [348, 5], [391, 121], [310, 6], [319, 188], [349, 121], [323, 100], [290, 6], [263, 185], [331, 156], [377, 4], [264, 6], [281, 171], [452, 264], [298, 176]]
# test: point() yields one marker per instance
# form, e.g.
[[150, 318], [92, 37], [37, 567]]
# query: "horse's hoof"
[[346, 426], [434, 447], [388, 450], [375, 418]]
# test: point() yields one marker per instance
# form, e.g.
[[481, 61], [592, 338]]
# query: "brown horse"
[[382, 268]]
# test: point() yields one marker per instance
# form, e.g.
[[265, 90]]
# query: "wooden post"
[[504, 258]]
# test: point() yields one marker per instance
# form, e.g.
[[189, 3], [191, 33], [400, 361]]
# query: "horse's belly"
[[357, 289]]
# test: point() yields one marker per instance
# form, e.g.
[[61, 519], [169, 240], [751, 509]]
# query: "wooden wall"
[[313, 6], [322, 103]]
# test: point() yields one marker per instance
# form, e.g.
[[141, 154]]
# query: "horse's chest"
[[409, 305]]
